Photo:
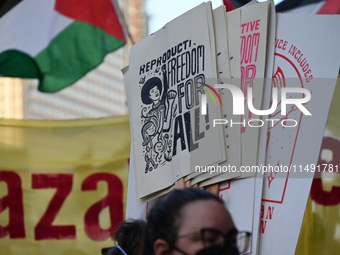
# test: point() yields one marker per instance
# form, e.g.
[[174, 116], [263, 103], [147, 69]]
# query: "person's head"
[[129, 238], [188, 221], [151, 91], [129, 235]]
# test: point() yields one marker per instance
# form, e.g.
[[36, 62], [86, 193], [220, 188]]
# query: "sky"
[[162, 11]]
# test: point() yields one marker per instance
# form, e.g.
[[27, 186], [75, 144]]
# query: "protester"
[[192, 221], [129, 238]]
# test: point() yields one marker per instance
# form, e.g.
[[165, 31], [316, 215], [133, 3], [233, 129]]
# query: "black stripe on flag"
[[292, 4], [7, 5]]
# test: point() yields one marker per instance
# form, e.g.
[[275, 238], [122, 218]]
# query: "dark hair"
[[145, 93], [111, 251], [163, 219], [129, 236]]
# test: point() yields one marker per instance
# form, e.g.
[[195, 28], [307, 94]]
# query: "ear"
[[161, 247]]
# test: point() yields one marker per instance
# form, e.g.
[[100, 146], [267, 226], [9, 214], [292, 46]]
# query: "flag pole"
[[121, 17]]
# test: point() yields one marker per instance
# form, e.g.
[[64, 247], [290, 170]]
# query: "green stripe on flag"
[[14, 63], [71, 54]]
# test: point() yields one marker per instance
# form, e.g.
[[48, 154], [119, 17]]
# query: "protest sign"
[[168, 73], [295, 138]]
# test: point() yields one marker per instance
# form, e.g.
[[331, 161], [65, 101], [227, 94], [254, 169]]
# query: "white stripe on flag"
[[30, 26]]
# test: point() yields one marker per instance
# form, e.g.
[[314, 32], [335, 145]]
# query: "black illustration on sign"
[[157, 116], [170, 89]]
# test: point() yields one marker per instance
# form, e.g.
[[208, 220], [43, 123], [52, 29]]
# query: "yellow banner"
[[63, 184], [320, 232], [320, 229]]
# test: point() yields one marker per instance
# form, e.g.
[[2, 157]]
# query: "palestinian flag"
[[309, 6], [56, 41], [296, 6]]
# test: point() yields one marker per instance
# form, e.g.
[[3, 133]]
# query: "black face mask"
[[224, 249]]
